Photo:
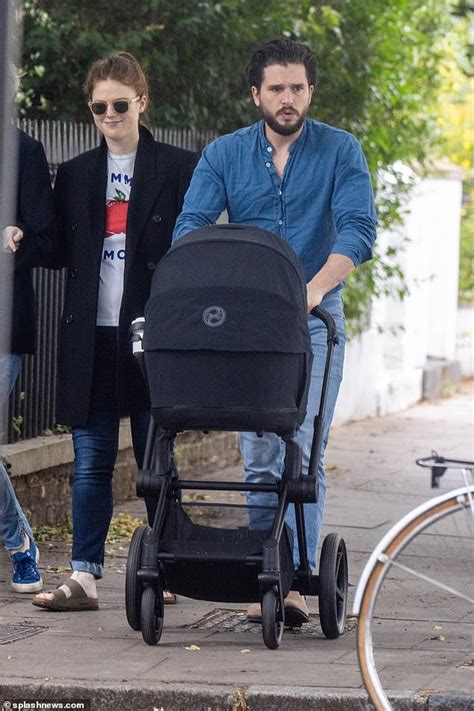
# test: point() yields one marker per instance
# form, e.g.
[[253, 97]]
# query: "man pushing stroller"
[[308, 183]]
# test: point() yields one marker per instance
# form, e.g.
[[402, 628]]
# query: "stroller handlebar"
[[328, 321]]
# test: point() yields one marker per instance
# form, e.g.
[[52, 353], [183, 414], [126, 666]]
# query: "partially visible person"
[[308, 183], [116, 207], [31, 242]]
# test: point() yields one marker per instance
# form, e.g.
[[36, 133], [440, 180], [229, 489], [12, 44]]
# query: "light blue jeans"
[[264, 456], [13, 523]]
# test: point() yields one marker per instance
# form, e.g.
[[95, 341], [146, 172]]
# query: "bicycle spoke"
[[385, 559]]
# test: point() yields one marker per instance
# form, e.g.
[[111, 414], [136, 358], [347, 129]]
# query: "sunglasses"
[[120, 106]]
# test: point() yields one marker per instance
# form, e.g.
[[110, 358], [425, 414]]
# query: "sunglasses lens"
[[121, 107], [98, 108]]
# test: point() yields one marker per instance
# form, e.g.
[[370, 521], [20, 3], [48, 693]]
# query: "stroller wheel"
[[272, 619], [152, 613], [133, 587], [333, 581]]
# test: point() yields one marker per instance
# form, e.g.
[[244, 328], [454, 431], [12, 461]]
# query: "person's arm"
[[337, 268], [35, 216], [205, 199], [355, 220]]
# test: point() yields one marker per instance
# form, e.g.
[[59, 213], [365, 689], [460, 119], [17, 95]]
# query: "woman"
[[116, 208]]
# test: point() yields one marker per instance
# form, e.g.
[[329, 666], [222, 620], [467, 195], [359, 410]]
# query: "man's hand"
[[336, 269], [12, 237], [314, 297]]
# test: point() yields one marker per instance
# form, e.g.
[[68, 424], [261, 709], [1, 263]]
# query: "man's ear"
[[255, 96]]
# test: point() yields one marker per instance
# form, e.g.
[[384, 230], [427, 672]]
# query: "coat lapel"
[[97, 189], [148, 179]]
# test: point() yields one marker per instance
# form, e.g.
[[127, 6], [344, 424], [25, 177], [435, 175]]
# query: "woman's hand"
[[12, 237]]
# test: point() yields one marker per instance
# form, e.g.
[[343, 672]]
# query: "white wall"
[[384, 371], [465, 340]]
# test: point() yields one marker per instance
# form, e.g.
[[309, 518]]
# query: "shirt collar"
[[267, 147]]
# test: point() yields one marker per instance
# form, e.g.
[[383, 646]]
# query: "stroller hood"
[[228, 288]]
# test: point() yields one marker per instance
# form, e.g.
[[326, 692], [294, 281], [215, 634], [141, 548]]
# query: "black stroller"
[[225, 346]]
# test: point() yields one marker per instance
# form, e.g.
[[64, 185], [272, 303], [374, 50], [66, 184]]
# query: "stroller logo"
[[214, 316]]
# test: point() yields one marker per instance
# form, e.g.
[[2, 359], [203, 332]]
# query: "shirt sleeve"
[[353, 204], [205, 199]]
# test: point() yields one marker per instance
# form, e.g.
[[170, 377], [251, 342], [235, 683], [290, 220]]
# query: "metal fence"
[[32, 404]]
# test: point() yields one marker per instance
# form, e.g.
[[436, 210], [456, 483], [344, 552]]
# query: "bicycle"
[[401, 557]]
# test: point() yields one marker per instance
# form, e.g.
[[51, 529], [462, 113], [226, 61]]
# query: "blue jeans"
[[264, 456], [95, 452], [13, 523]]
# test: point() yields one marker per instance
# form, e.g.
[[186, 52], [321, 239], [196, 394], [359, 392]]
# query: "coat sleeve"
[[35, 210], [187, 169]]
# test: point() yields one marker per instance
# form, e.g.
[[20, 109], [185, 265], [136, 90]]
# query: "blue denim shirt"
[[322, 204]]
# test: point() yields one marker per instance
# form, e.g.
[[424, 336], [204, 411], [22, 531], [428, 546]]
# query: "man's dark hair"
[[280, 51]]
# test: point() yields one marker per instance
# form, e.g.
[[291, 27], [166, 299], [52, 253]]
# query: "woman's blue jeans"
[[95, 453], [264, 456], [13, 522]]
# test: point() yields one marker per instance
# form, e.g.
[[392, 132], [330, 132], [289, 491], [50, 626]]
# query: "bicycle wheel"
[[403, 564]]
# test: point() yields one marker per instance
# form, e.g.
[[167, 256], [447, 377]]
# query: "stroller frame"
[[148, 558]]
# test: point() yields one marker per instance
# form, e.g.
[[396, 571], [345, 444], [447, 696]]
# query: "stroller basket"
[[217, 563], [226, 339]]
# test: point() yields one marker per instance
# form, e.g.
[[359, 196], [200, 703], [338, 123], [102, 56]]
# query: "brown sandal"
[[78, 601], [169, 598]]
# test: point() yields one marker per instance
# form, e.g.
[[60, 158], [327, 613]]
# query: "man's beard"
[[285, 129]]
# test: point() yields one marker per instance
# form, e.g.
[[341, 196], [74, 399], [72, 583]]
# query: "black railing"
[[32, 403]]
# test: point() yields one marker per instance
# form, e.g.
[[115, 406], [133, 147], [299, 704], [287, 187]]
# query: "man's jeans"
[[95, 452], [264, 456], [13, 523]]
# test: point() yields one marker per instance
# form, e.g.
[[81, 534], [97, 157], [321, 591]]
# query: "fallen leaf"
[[245, 651], [193, 648]]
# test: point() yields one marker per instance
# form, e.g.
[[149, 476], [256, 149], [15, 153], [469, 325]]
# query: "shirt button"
[[69, 318], [74, 273], [280, 192], [269, 149], [280, 222], [268, 164], [151, 265], [156, 218]]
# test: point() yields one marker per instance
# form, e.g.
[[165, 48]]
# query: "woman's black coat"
[[160, 180]]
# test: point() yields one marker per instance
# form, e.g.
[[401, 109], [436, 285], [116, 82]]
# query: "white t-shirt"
[[112, 266]]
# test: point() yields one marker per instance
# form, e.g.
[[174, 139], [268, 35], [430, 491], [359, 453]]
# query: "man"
[[309, 183], [28, 242]]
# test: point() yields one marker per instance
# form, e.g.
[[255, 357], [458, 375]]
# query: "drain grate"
[[221, 620], [12, 633]]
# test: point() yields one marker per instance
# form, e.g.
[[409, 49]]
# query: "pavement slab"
[[424, 650]]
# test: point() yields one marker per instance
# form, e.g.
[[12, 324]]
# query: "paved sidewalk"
[[210, 658]]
